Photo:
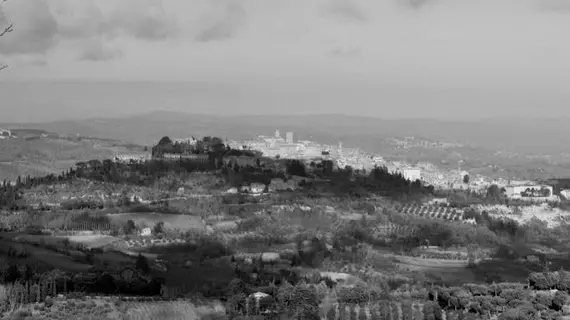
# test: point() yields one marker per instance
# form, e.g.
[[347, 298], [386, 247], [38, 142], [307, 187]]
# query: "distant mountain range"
[[515, 135]]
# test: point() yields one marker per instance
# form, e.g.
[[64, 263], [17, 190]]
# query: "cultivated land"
[[331, 244]]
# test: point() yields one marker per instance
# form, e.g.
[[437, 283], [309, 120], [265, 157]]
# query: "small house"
[[146, 232]]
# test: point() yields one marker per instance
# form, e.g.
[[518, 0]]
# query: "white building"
[[534, 191], [289, 137], [146, 232], [412, 174]]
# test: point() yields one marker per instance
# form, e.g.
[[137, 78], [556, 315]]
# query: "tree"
[[142, 264], [466, 179], [129, 227], [159, 227], [165, 141], [494, 192], [4, 31]]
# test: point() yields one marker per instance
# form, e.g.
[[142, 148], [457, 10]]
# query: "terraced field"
[[435, 212]]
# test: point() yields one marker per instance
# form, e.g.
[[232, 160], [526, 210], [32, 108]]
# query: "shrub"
[[559, 300], [552, 279], [542, 300], [564, 282], [476, 289], [48, 302], [512, 294]]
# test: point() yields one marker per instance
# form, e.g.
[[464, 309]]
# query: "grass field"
[[94, 241], [171, 221]]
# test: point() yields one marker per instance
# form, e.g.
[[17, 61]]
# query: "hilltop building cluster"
[[277, 146]]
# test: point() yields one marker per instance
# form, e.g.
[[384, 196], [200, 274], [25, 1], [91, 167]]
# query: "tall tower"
[[289, 137], [277, 134]]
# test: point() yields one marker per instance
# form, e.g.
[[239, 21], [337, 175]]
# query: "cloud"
[[415, 39], [142, 19], [224, 26], [37, 27], [345, 9], [95, 50]]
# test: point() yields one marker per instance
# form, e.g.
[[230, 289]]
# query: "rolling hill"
[[518, 139], [44, 155]]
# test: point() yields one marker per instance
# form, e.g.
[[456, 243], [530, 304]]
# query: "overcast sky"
[[388, 58]]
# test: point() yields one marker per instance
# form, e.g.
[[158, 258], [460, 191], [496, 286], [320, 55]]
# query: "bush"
[[513, 294], [542, 300], [48, 302], [476, 289], [559, 300]]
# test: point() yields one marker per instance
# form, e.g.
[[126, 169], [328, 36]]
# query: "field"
[[170, 310], [49, 252], [41, 256], [171, 221], [95, 241]]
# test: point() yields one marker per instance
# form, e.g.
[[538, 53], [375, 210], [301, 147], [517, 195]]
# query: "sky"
[[385, 58]]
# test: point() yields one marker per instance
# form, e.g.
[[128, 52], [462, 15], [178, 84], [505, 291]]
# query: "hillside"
[[42, 156], [169, 238]]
